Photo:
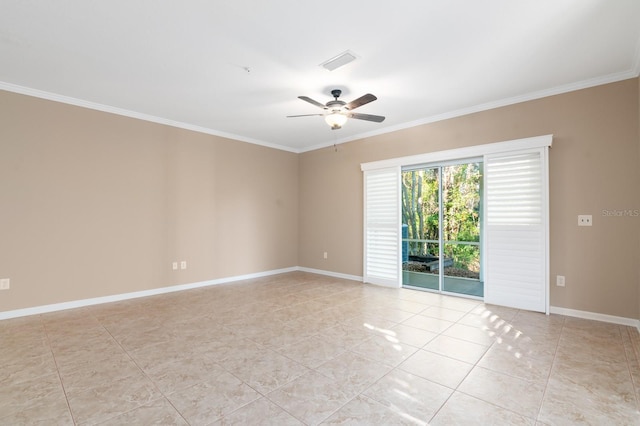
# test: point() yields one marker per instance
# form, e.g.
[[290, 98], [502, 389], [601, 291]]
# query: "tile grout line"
[[371, 385], [565, 329], [632, 349], [438, 334], [350, 350], [508, 323], [546, 384], [475, 365], [55, 361], [143, 373]]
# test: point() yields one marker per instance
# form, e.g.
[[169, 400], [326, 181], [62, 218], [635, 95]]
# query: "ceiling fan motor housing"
[[336, 105]]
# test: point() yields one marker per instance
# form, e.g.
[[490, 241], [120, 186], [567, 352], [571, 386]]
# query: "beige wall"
[[594, 166], [94, 204]]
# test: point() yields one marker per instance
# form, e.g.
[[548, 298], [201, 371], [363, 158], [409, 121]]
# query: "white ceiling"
[[235, 68]]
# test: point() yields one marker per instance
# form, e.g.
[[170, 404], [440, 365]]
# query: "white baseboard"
[[595, 316], [162, 290], [136, 294], [330, 274]]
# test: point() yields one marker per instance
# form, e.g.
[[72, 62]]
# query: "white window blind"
[[516, 229], [382, 226]]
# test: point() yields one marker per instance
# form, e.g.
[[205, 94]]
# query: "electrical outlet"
[[183, 264], [174, 266], [325, 254], [5, 284], [560, 280], [585, 220]]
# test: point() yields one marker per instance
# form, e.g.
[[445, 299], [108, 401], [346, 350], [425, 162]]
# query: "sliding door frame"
[[440, 166], [544, 141]]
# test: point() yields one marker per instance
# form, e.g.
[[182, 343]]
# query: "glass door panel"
[[461, 186], [441, 229], [421, 228], [462, 269]]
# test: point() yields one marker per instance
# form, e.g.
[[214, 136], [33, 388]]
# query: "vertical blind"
[[382, 226], [516, 229]]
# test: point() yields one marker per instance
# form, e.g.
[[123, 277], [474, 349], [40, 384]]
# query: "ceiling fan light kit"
[[337, 112], [335, 120]]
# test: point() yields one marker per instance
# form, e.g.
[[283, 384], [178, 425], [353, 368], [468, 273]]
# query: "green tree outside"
[[461, 187]]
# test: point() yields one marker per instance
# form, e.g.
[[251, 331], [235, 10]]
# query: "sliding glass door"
[[441, 228], [472, 221]]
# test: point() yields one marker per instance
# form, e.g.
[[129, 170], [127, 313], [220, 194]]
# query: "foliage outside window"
[[461, 215]]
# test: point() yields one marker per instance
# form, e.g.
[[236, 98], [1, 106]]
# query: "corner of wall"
[[638, 224]]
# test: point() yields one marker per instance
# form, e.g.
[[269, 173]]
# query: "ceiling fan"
[[337, 112]]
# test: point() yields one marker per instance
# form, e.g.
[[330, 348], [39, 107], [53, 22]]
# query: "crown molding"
[[584, 84], [636, 62], [9, 87], [558, 90]]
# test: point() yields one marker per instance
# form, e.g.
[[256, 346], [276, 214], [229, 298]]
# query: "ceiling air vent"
[[336, 62]]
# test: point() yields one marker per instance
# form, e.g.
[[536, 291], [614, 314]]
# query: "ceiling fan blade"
[[362, 100], [303, 115], [368, 117], [312, 102]]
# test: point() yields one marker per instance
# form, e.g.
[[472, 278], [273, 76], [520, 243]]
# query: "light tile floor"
[[300, 348]]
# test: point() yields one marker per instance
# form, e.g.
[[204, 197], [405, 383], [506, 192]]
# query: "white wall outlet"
[[5, 284], [325, 254], [585, 220], [183, 264], [174, 266], [560, 280]]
